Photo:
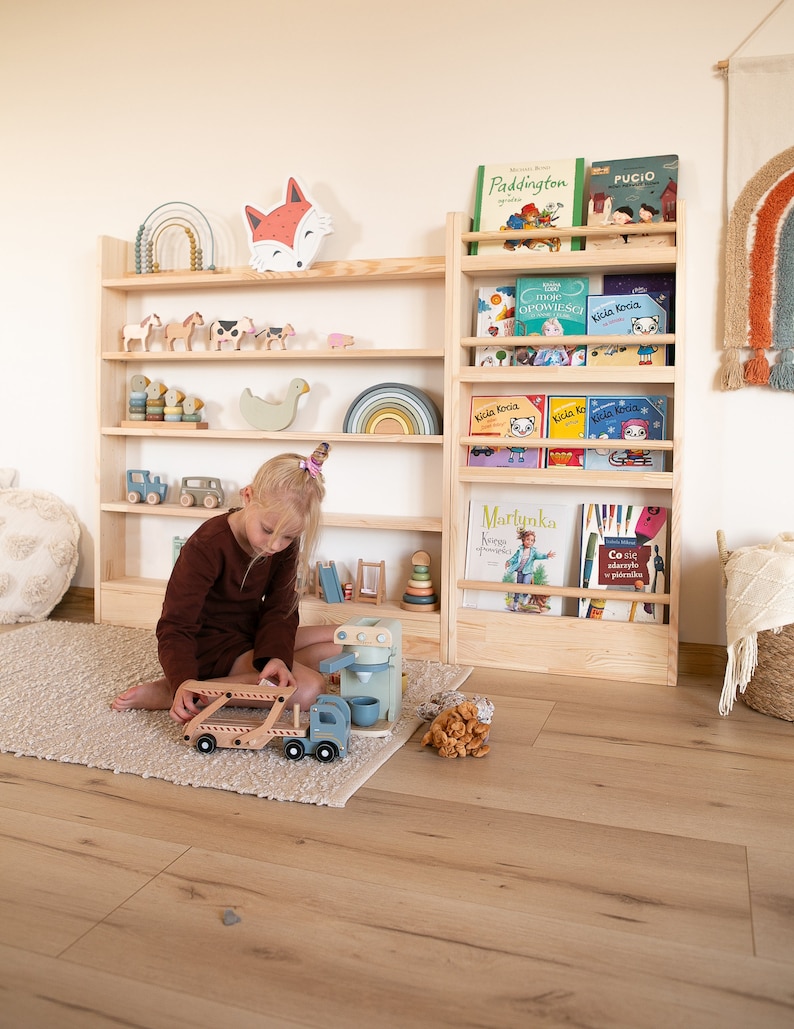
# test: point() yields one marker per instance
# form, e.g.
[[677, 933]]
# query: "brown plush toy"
[[458, 732]]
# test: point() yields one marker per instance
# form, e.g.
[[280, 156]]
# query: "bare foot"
[[149, 696]]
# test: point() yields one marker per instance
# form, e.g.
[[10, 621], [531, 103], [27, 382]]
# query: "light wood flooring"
[[622, 859]]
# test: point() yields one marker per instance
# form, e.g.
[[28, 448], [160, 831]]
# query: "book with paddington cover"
[[621, 314], [529, 195], [625, 423], [526, 543], [632, 191], [551, 305], [623, 548], [566, 419], [521, 417], [494, 316]]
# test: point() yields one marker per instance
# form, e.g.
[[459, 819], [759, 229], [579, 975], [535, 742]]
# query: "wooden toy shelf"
[[126, 598], [293, 356], [644, 652]]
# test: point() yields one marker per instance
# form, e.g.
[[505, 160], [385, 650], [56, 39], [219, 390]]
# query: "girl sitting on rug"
[[231, 604]]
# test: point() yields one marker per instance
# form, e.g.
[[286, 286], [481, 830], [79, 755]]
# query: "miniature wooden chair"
[[364, 593]]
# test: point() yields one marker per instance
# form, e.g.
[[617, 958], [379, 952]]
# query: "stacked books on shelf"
[[509, 424], [623, 548], [514, 544], [544, 194], [616, 312]]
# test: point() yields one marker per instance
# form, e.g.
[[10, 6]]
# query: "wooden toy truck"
[[327, 734]]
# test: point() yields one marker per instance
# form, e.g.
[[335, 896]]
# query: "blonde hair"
[[294, 487]]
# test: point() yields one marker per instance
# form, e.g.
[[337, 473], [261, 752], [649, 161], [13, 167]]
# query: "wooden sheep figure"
[[274, 334], [229, 332], [140, 331], [340, 339], [182, 330]]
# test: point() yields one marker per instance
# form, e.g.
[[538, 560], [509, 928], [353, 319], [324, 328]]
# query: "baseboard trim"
[[701, 659]]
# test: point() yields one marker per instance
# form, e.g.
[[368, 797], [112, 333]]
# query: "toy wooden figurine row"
[[155, 402], [221, 333]]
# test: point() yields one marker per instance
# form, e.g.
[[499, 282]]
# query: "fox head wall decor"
[[287, 237]]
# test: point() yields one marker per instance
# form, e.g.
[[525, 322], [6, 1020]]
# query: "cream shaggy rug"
[[57, 680]]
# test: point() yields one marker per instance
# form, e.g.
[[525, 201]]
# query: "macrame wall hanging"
[[759, 251], [759, 279]]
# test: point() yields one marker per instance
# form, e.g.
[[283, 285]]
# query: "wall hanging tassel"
[[781, 375], [732, 372], [756, 371]]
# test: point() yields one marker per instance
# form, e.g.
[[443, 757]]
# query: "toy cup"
[[364, 710]]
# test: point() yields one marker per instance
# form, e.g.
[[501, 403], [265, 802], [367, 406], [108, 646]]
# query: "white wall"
[[385, 110]]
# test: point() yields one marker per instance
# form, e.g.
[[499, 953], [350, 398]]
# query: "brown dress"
[[218, 606]]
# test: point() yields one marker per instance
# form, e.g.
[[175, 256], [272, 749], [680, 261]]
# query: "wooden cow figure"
[[276, 334], [229, 332]]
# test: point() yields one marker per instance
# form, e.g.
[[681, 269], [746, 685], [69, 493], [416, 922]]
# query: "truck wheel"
[[133, 497], [152, 498], [206, 744], [294, 749], [187, 500], [210, 500], [326, 752]]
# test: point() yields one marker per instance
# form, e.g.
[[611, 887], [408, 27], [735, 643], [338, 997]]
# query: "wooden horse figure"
[[182, 330], [274, 334], [229, 332], [140, 331]]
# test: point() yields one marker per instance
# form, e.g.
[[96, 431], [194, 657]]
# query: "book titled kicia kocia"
[[542, 194], [626, 424], [508, 425]]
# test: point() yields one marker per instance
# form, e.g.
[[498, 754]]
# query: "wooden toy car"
[[141, 486], [198, 490]]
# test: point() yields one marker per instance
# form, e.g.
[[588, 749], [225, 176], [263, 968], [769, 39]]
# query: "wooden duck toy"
[[271, 417]]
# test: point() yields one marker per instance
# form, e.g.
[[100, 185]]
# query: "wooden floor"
[[623, 857]]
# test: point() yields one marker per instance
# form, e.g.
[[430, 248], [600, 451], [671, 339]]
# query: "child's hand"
[[185, 706], [278, 673]]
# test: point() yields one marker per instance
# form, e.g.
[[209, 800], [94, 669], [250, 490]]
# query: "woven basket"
[[771, 689]]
